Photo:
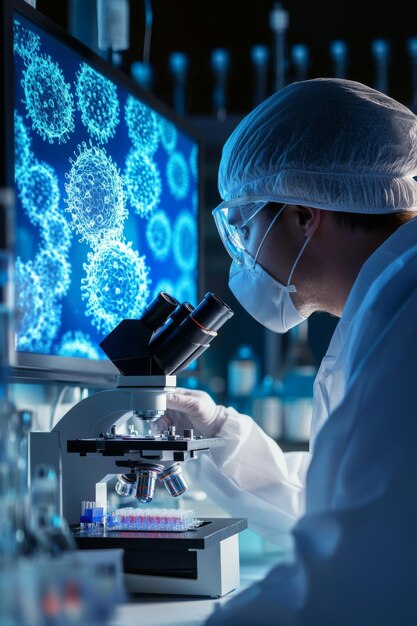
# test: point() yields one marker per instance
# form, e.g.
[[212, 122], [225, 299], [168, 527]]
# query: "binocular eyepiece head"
[[167, 337]]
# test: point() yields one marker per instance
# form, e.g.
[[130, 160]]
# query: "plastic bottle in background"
[[298, 380], [298, 403], [268, 407], [220, 64], [242, 378]]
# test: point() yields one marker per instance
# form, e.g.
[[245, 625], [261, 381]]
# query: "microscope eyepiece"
[[157, 311], [223, 319], [177, 316], [180, 343], [210, 310], [188, 332]]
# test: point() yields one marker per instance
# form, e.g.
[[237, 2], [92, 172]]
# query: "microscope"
[[163, 553]]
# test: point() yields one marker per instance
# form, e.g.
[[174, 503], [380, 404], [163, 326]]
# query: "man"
[[318, 215]]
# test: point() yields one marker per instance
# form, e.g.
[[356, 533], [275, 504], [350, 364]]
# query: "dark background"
[[196, 27]]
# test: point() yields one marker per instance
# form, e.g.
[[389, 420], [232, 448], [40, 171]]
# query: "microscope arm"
[[97, 413]]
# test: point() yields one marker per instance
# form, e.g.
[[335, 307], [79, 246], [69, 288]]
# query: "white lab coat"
[[356, 544], [251, 476]]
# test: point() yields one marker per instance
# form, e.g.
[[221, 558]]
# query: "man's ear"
[[308, 219]]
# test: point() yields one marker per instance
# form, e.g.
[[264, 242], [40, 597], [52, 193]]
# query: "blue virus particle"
[[194, 161], [22, 144], [116, 284], [56, 233], [38, 189], [54, 272], [142, 125], [164, 285], [184, 242], [143, 183], [168, 134], [98, 102], [37, 318], [25, 42], [77, 344], [186, 289], [177, 176], [158, 235], [95, 195], [48, 99]]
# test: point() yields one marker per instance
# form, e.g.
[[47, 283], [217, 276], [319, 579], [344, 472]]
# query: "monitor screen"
[[106, 199]]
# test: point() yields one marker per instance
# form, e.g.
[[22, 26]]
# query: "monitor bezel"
[[31, 367]]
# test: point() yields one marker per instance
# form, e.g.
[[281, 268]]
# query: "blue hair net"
[[327, 143]]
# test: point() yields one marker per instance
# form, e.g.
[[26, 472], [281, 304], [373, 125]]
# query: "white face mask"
[[263, 297]]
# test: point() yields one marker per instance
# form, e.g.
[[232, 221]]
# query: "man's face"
[[274, 255]]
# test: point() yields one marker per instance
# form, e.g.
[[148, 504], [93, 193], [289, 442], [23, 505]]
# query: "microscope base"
[[201, 562]]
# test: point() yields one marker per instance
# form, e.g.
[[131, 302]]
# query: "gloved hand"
[[192, 408]]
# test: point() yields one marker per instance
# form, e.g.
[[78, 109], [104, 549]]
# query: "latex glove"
[[193, 408]]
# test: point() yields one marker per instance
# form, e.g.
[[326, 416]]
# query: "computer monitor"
[[107, 201]]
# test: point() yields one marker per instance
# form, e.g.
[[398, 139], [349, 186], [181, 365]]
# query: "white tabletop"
[[177, 611]]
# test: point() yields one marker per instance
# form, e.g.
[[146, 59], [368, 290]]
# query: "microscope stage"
[[119, 446], [211, 531]]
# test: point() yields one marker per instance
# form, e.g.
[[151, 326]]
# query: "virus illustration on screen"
[[95, 195], [184, 242], [164, 285], [54, 272], [177, 176], [77, 344], [142, 125], [143, 183], [37, 186], [116, 284], [168, 134], [158, 235], [48, 100], [56, 233], [194, 162], [22, 144], [37, 318], [186, 289], [25, 43], [97, 100]]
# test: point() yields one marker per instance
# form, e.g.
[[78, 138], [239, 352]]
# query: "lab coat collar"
[[401, 240], [329, 385]]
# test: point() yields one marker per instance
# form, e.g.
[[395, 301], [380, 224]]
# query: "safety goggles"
[[232, 217]]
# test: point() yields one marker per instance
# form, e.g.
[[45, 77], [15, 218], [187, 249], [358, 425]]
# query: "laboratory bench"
[[153, 610]]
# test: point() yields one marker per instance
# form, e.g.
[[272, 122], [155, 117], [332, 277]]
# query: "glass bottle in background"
[[242, 378], [299, 374], [268, 407]]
